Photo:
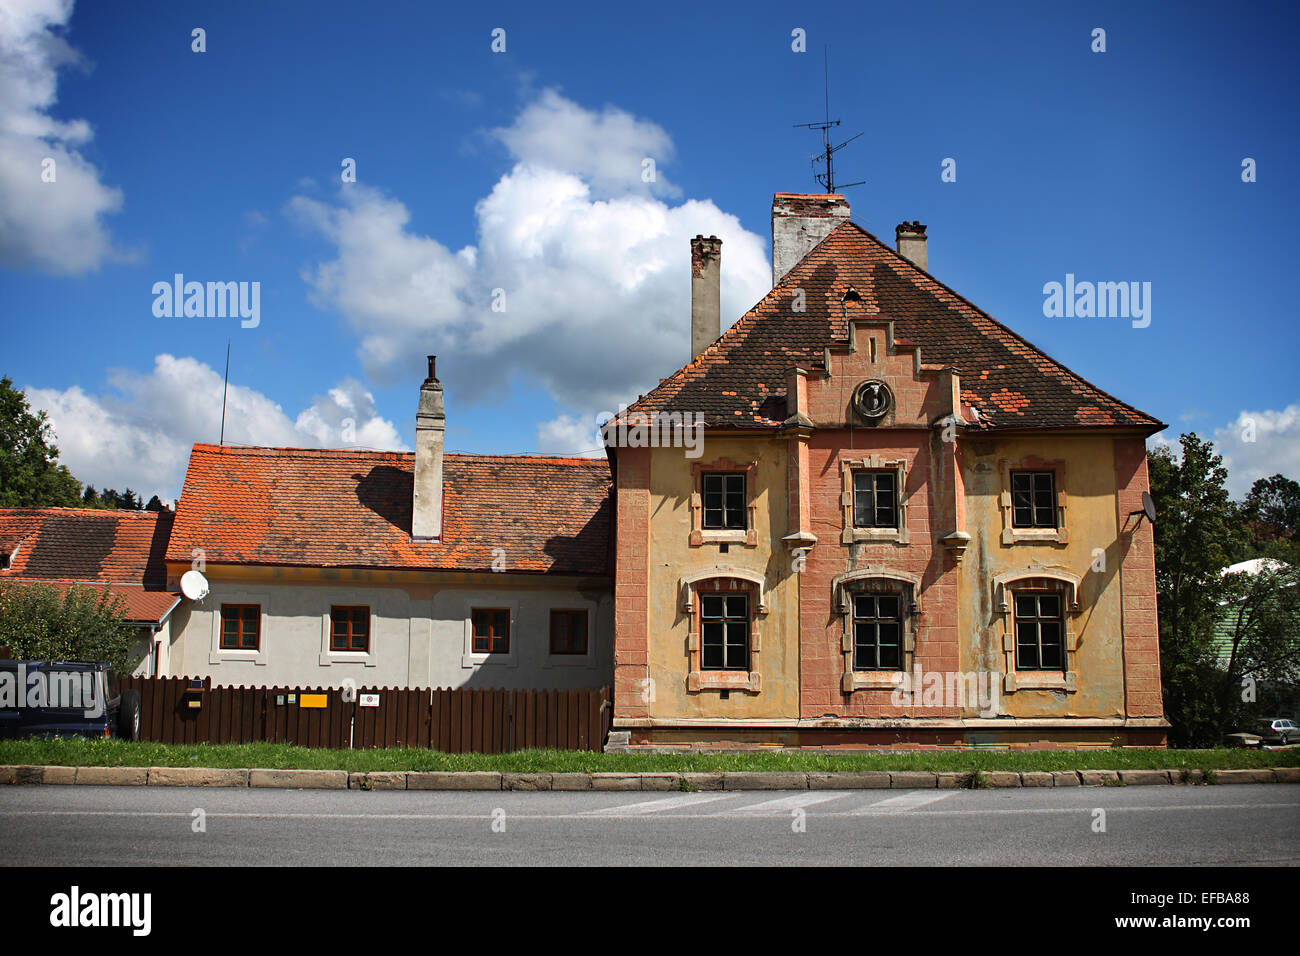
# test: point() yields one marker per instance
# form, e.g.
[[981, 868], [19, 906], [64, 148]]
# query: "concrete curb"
[[716, 780]]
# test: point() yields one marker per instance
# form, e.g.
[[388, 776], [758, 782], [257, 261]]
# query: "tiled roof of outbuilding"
[[352, 509], [122, 550]]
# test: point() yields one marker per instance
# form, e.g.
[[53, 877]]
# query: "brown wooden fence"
[[470, 720]]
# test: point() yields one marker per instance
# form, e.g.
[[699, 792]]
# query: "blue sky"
[[522, 170]]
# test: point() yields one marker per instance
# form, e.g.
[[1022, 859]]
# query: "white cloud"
[[140, 436], [596, 290], [607, 149], [1259, 444], [570, 435], [54, 226]]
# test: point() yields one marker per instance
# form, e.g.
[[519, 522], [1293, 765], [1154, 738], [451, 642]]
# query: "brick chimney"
[[430, 424], [799, 222], [910, 240], [706, 302]]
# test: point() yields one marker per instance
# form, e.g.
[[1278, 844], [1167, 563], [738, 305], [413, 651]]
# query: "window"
[[491, 631], [568, 632], [877, 632], [350, 629], [724, 632], [875, 501], [241, 627], [1033, 499], [724, 501], [1039, 632]]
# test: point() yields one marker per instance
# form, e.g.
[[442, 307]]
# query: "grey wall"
[[419, 637]]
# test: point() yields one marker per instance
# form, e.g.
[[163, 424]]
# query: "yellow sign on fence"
[[313, 700]]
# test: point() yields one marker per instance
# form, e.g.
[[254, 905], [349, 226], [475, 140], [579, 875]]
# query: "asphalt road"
[[1216, 825]]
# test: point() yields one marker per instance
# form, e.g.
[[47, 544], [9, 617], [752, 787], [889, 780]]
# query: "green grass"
[[117, 753]]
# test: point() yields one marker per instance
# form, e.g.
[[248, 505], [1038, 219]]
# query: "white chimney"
[[799, 222], [430, 424], [706, 296], [910, 242]]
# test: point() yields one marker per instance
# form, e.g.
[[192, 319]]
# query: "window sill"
[[329, 658], [724, 680], [747, 538], [236, 657], [1041, 680], [878, 535], [476, 660], [1035, 536], [872, 680]]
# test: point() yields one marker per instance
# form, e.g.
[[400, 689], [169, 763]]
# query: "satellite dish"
[[194, 585], [1148, 510]]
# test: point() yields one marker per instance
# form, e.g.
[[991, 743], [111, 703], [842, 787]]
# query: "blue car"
[[65, 699]]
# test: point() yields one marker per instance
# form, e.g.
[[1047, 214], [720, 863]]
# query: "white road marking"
[[664, 803], [796, 802], [906, 801], [733, 814]]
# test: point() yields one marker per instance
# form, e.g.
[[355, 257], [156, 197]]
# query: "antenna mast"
[[224, 388], [827, 178]]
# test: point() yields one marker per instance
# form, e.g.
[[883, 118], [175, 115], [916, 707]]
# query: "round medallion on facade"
[[873, 400]]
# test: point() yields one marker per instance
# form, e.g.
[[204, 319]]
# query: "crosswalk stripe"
[[798, 801], [664, 803], [906, 801]]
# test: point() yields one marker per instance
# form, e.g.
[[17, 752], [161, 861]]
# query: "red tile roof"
[[122, 550], [739, 380], [352, 509], [139, 605]]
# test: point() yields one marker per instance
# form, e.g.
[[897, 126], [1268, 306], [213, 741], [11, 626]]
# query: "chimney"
[[706, 302], [430, 423], [910, 239], [799, 222]]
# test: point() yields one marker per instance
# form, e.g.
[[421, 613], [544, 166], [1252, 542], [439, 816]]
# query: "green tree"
[[30, 473], [82, 623], [1197, 532], [1272, 511], [1260, 625]]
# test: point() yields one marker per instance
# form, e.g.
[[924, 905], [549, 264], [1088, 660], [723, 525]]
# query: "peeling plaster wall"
[[671, 556], [1090, 517]]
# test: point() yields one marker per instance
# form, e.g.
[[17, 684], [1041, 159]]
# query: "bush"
[[82, 623]]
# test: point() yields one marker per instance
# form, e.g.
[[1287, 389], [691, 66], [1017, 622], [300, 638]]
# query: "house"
[[394, 570], [118, 551], [905, 525]]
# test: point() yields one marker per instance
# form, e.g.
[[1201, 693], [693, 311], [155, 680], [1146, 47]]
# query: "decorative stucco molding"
[[879, 580], [850, 533], [1013, 535], [1038, 579], [724, 578], [748, 536]]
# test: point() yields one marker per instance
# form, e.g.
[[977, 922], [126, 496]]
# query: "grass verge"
[[117, 753]]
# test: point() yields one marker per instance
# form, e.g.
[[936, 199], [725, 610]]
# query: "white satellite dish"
[[194, 585]]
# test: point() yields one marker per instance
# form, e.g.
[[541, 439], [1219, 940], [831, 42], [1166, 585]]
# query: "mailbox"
[[193, 698]]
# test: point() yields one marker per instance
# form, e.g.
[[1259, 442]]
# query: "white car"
[[1279, 729]]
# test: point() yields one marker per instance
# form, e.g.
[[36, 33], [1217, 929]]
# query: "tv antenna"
[[827, 177], [225, 387]]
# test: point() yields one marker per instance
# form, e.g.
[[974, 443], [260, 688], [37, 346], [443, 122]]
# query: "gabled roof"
[[352, 509], [739, 380], [120, 550]]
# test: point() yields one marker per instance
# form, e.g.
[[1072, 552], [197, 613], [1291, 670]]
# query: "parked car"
[[1280, 730], [65, 699]]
